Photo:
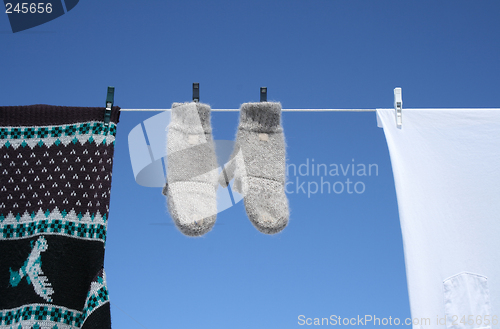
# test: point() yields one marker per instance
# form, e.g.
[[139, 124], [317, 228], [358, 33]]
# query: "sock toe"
[[192, 206], [266, 205]]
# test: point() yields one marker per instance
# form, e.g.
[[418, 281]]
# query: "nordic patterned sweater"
[[55, 182]]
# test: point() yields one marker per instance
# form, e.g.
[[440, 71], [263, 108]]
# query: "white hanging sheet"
[[446, 165]]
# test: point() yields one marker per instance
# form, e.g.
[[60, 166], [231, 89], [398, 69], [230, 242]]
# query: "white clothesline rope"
[[315, 110], [283, 110]]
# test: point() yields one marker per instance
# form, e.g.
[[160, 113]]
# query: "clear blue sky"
[[342, 254]]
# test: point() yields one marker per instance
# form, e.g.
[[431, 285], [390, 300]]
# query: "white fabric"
[[446, 166]]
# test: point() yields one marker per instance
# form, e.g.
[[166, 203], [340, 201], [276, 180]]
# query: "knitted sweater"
[[55, 181]]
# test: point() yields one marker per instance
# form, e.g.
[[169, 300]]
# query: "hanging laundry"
[[191, 169], [258, 166], [446, 171], [53, 223]]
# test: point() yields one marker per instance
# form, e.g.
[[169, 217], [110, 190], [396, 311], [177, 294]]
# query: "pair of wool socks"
[[257, 166]]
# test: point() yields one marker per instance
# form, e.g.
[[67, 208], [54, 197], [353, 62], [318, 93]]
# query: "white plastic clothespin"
[[398, 106]]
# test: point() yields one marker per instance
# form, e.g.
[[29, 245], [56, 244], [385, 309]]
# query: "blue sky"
[[342, 254]]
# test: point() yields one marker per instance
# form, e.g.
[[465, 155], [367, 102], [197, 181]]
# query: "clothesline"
[[310, 110], [284, 110]]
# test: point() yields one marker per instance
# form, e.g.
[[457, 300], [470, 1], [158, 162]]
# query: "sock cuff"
[[262, 116], [47, 115], [193, 116]]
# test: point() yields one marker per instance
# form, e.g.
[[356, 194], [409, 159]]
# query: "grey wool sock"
[[191, 169], [258, 166]]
